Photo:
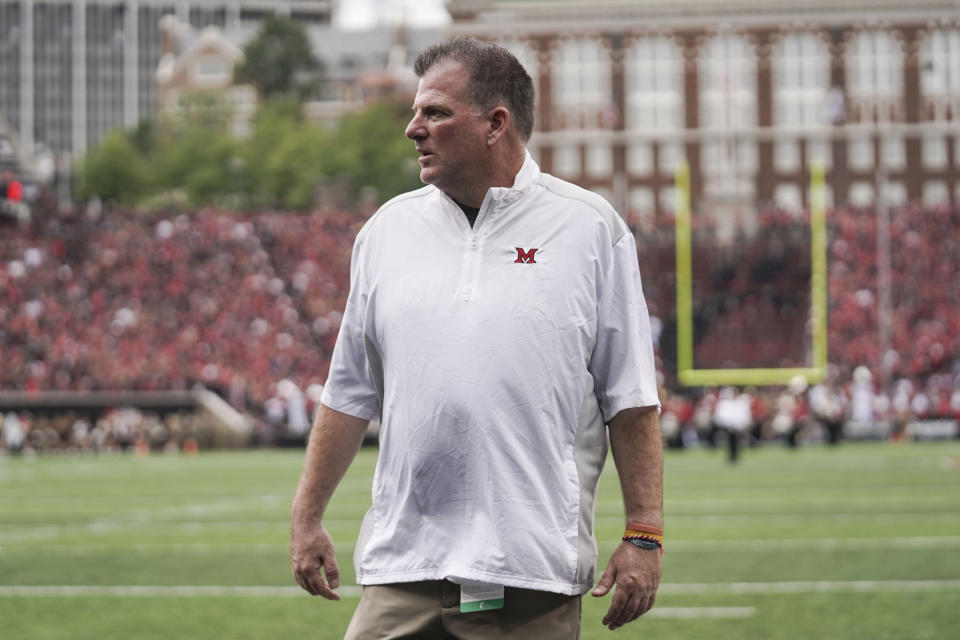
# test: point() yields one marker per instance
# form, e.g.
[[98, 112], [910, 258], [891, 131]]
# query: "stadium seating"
[[238, 302]]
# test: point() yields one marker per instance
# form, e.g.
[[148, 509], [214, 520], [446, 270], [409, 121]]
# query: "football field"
[[860, 541]]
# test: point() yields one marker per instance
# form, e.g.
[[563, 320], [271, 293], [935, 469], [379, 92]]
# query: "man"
[[496, 325]]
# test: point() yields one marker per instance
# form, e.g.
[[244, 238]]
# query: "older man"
[[496, 325]]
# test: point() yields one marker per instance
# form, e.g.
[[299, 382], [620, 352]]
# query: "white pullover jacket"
[[493, 357]]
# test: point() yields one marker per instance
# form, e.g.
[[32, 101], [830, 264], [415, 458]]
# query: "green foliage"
[[116, 171], [378, 154], [191, 157], [145, 136], [196, 153], [280, 61], [275, 122], [283, 163]]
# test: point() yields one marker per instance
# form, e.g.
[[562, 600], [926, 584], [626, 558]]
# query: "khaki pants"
[[431, 610]]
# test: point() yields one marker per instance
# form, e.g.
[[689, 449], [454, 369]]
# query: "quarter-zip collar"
[[528, 174], [499, 197]]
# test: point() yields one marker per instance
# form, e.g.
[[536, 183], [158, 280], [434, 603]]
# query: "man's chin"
[[427, 176]]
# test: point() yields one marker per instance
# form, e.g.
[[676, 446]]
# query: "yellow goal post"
[[690, 376]]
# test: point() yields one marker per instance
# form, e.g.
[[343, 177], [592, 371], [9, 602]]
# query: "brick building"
[[750, 93]]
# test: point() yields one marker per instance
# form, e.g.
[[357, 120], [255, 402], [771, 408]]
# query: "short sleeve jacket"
[[493, 356]]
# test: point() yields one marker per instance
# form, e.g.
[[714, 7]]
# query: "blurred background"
[[181, 182]]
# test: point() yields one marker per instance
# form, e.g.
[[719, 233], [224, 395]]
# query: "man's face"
[[450, 134]]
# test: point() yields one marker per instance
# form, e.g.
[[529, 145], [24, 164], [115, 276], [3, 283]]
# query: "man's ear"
[[499, 122]]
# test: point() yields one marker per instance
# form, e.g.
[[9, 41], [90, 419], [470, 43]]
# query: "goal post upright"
[[690, 376], [684, 275], [818, 267]]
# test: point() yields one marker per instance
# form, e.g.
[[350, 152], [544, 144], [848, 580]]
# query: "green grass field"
[[862, 541]]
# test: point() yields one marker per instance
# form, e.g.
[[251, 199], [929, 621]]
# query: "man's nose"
[[415, 130]]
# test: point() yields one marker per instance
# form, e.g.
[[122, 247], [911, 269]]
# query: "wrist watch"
[[647, 545]]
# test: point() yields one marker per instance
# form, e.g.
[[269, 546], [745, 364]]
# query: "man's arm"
[[638, 454], [334, 441]]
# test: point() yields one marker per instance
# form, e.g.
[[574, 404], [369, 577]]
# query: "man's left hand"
[[636, 574]]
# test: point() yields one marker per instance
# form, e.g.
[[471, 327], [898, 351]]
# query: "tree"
[[279, 61], [115, 171], [377, 153], [276, 121]]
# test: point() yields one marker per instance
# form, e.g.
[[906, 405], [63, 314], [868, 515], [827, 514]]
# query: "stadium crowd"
[[119, 302], [95, 299]]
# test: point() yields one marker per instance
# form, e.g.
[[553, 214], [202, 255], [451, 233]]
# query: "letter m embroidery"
[[525, 257]]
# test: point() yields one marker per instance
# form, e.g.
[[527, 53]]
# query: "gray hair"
[[496, 77]]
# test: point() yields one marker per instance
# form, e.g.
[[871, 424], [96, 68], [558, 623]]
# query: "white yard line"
[[353, 591], [746, 545], [884, 501], [31, 533], [811, 586], [764, 545], [9, 535], [700, 612], [805, 516]]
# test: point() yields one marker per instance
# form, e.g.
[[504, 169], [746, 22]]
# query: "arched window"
[[940, 70], [654, 85], [728, 111], [875, 76], [581, 82], [728, 84], [801, 79]]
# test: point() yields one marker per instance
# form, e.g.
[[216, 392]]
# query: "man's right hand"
[[312, 557], [334, 441]]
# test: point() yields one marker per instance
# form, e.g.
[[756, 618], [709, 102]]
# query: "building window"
[[566, 161], [934, 152], [668, 199], [894, 194], [728, 99], [599, 161], [640, 159], [861, 153], [10, 47], [894, 153], [671, 155], [581, 87], [935, 193], [788, 197], [641, 201], [940, 69], [861, 194], [801, 76], [654, 77], [786, 156], [820, 151], [212, 71], [875, 74], [736, 158], [728, 105]]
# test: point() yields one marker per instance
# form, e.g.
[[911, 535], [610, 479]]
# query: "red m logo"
[[525, 257]]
